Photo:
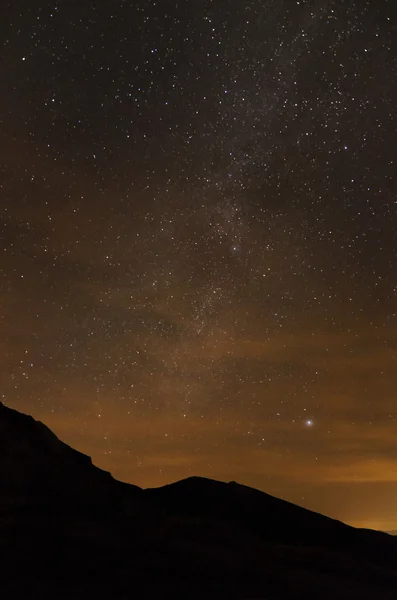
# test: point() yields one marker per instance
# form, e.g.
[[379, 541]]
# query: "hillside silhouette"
[[70, 530]]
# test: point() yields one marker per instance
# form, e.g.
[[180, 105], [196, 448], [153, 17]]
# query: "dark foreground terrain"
[[69, 530]]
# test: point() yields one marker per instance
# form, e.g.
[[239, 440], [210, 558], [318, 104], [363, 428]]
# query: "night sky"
[[198, 237]]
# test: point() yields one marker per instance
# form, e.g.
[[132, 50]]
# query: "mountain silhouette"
[[70, 530]]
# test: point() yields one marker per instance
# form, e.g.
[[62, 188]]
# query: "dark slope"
[[69, 530], [39, 472], [273, 519]]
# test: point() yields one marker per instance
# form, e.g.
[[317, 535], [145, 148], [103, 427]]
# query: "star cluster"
[[198, 241]]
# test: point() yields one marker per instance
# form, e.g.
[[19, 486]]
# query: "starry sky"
[[198, 241]]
